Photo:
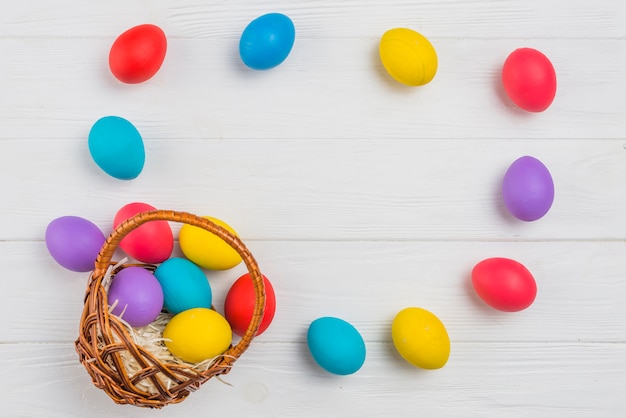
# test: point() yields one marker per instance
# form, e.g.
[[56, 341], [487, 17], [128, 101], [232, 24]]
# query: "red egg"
[[529, 79], [137, 54], [239, 305], [504, 284], [152, 242]]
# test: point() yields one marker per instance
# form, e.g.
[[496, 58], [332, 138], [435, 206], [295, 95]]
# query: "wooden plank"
[[269, 380], [314, 18], [332, 89], [358, 196], [326, 190], [580, 289]]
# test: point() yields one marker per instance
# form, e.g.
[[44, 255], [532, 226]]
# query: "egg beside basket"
[[112, 353]]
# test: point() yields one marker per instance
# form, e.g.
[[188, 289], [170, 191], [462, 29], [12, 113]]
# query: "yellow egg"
[[208, 250], [408, 56], [197, 334], [420, 338]]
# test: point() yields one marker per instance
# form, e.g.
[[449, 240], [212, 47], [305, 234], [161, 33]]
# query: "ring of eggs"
[[196, 332]]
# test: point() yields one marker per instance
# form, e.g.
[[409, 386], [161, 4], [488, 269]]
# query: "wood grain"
[[271, 380], [331, 89], [580, 289], [326, 18], [357, 196], [327, 190]]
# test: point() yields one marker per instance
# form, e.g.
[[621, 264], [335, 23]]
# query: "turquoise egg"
[[184, 285], [336, 346], [267, 41], [116, 147]]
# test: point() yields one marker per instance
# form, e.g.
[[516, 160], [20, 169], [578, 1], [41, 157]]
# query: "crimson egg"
[[137, 54], [504, 284], [239, 305]]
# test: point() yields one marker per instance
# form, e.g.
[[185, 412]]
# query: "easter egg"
[[529, 79], [74, 242], [408, 56], [240, 301], [151, 242], [504, 284], [528, 189], [336, 345], [421, 338], [136, 296], [137, 54], [116, 147], [267, 41], [184, 285], [197, 334], [208, 250]]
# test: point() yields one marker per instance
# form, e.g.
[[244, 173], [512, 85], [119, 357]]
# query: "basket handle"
[[103, 261]]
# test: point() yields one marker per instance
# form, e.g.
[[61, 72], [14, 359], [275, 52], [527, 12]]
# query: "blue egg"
[[184, 285], [267, 41], [116, 147], [336, 346]]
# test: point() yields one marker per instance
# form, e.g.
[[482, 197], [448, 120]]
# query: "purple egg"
[[138, 295], [74, 242], [528, 189]]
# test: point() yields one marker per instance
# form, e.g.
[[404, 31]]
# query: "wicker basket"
[[104, 342]]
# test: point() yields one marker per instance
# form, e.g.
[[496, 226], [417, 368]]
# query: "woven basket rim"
[[99, 349]]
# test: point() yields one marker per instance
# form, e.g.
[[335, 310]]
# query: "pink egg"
[[529, 79], [152, 242], [137, 296], [74, 242], [504, 284]]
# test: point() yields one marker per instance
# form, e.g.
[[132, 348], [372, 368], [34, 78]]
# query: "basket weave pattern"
[[104, 341]]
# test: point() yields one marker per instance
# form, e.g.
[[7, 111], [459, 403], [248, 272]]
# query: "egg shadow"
[[234, 58], [471, 294], [396, 361], [389, 350], [104, 74], [501, 209], [500, 92], [305, 354]]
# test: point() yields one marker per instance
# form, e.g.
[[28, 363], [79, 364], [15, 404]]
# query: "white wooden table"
[[358, 196]]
